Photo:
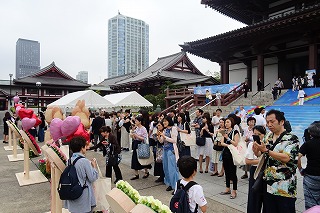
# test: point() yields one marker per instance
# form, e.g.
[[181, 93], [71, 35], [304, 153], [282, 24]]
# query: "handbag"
[[238, 152], [200, 141], [101, 187], [259, 183], [216, 141], [143, 151], [147, 161], [114, 158], [159, 154]]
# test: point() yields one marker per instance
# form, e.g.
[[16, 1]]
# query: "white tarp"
[[128, 99], [92, 99]]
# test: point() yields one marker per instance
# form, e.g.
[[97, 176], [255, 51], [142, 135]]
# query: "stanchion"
[[29, 177], [15, 156], [9, 147]]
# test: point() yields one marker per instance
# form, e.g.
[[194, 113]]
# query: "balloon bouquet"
[[62, 129], [29, 121]]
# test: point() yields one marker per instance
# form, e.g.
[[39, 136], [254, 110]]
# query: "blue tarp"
[[222, 88]]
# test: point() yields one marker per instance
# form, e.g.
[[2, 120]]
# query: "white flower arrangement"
[[155, 204], [128, 190]]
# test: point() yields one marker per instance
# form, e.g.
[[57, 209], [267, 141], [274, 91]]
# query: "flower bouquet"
[[43, 168], [132, 193]]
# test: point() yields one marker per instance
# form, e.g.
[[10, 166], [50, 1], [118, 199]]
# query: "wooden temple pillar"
[[249, 73], [313, 56], [224, 72], [260, 67]]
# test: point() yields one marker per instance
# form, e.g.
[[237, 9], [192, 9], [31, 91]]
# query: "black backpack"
[[179, 202], [69, 186]]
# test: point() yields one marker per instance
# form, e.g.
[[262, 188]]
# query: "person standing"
[[274, 92], [207, 131], [218, 98], [139, 135], [125, 124], [97, 123], [260, 120], [314, 79], [230, 137], [170, 153], [110, 148], [41, 127], [255, 200], [217, 148], [196, 124], [7, 117], [246, 89], [259, 84], [208, 96], [311, 174], [215, 119], [183, 127], [280, 171], [280, 85], [301, 95], [87, 173], [247, 135]]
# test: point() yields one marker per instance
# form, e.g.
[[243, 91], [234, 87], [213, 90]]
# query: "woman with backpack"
[[86, 173], [111, 150]]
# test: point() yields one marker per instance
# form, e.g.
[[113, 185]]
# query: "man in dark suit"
[[97, 123]]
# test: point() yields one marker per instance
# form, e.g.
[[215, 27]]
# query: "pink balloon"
[[28, 123], [55, 128], [70, 125], [16, 99], [17, 109]]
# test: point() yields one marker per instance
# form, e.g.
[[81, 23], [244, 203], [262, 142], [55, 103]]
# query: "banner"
[[222, 88]]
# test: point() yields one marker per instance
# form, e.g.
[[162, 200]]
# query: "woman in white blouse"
[[254, 199]]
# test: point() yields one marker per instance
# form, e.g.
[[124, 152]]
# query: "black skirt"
[[134, 160]]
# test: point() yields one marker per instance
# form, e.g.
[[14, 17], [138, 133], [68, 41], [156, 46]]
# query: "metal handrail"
[[176, 104], [204, 105], [260, 90]]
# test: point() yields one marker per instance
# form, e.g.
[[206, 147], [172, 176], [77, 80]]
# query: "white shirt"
[[215, 122], [260, 120], [218, 95], [249, 153], [108, 122], [196, 196], [242, 114], [301, 94]]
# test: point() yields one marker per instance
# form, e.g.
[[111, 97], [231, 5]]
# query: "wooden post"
[[26, 168], [10, 138], [14, 148], [56, 203]]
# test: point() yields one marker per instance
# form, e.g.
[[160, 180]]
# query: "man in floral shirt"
[[280, 173]]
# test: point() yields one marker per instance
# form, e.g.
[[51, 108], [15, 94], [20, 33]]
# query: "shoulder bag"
[[238, 152], [259, 173], [143, 151]]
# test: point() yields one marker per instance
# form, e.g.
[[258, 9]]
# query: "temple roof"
[[284, 28], [105, 85], [173, 67], [51, 75]]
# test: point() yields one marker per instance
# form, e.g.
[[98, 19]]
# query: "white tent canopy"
[[128, 99], [92, 99]]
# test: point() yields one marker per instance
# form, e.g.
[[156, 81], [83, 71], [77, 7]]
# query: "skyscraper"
[[27, 57], [82, 76], [128, 45]]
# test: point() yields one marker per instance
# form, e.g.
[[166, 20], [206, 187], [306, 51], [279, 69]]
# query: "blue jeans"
[[171, 174], [41, 135]]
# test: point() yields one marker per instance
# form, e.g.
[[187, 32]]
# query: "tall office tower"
[[27, 57], [82, 76], [128, 45]]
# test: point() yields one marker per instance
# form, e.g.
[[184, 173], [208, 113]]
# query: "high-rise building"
[[128, 45], [82, 76], [27, 57]]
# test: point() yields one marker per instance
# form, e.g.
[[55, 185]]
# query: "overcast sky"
[[74, 33]]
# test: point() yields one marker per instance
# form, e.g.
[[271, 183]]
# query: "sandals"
[[233, 196], [225, 193], [146, 175]]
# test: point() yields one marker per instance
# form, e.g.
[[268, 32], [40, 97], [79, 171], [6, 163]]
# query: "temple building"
[[280, 40]]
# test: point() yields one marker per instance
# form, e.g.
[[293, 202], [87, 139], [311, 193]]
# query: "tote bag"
[[188, 139], [238, 152], [143, 151], [148, 161], [101, 188]]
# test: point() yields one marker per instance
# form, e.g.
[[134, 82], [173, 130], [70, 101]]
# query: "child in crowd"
[[188, 169]]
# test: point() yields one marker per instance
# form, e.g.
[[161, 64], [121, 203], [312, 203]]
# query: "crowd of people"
[[266, 134]]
